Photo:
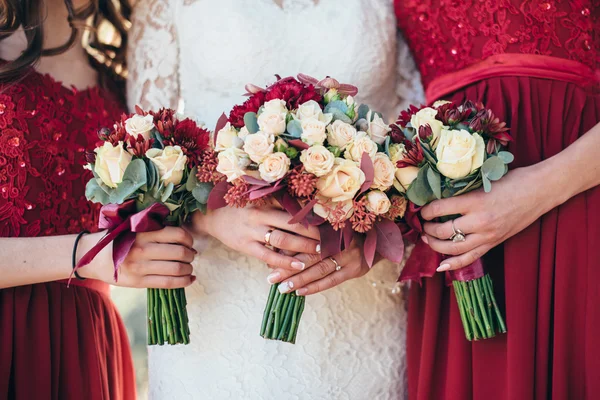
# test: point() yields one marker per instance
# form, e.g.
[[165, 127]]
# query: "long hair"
[[104, 24]]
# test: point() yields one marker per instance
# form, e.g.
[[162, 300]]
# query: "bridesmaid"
[[536, 64], [59, 342]]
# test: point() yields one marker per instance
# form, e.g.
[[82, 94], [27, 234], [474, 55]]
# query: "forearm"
[[42, 259], [573, 170]]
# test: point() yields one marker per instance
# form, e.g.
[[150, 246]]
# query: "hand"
[[245, 229], [488, 219], [320, 274], [160, 259]]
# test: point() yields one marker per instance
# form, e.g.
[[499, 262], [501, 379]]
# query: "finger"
[[464, 260], [170, 234], [445, 207], [451, 248], [314, 273], [274, 259], [166, 282], [165, 268], [279, 274], [166, 252], [279, 219], [287, 241], [332, 280], [443, 230]]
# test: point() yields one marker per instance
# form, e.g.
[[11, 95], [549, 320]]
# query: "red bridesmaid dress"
[[535, 63], [56, 342]]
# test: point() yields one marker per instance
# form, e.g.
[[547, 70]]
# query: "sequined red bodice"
[[45, 130], [448, 35]]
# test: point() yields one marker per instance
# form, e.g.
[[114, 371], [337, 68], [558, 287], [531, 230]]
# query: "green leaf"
[[474, 184], [251, 122], [433, 178], [95, 193], [386, 145], [167, 192], [152, 175], [363, 110], [291, 152], [506, 157], [201, 192], [294, 128], [493, 168], [338, 115], [202, 207], [133, 179], [335, 151], [419, 191], [487, 185], [192, 181], [429, 155], [158, 139], [336, 105]]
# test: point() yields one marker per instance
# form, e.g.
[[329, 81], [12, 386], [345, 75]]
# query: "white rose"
[[384, 170], [228, 137], [138, 125], [325, 206], [111, 163], [459, 153], [274, 167], [243, 133], [232, 163], [404, 177], [378, 202], [440, 103], [258, 146], [426, 116], [171, 163], [339, 134], [272, 121], [317, 160], [312, 110], [343, 182], [378, 130], [313, 131], [397, 152], [276, 106], [362, 143]]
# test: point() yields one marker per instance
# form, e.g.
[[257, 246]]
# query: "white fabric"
[[351, 342]]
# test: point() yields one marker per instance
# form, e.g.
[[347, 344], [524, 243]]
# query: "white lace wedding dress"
[[200, 54]]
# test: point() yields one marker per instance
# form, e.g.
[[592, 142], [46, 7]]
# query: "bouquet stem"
[[282, 316], [167, 317], [479, 312]]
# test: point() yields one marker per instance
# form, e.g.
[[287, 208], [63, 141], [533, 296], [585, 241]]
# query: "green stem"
[[180, 314], [267, 311], [277, 311], [271, 321], [288, 317], [460, 300], [185, 314], [483, 309], [173, 312], [164, 322], [300, 311], [470, 312], [157, 318], [500, 319], [478, 319], [286, 302], [294, 327], [150, 313]]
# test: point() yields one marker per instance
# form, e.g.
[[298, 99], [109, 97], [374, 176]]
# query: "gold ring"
[[268, 237], [457, 235], [337, 266]]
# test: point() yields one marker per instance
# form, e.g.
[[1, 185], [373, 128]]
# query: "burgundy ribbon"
[[122, 223]]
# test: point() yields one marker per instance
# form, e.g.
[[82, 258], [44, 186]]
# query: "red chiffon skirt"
[[59, 343], [548, 276]]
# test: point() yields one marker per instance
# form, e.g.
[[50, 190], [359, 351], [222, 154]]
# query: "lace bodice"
[[448, 35], [45, 129]]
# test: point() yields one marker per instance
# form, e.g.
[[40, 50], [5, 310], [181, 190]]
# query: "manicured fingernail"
[[273, 277], [195, 251], [301, 292], [285, 287], [193, 278], [318, 249], [424, 238], [298, 265], [443, 267]]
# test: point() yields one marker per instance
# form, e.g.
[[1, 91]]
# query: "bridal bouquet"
[[145, 178], [444, 151], [310, 146]]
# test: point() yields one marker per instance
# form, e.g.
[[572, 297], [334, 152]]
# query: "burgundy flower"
[[90, 157], [414, 154], [138, 145], [406, 115], [292, 92], [450, 114], [165, 121], [396, 134], [425, 132], [192, 139], [116, 135], [254, 102], [300, 183]]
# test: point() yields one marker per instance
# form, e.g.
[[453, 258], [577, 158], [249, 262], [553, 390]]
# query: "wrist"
[[95, 269], [552, 184], [200, 225]]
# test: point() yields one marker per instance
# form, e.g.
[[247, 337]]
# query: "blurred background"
[[132, 306]]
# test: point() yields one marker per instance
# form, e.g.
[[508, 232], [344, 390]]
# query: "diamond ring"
[[457, 235]]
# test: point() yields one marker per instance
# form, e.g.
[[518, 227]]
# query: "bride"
[[199, 55]]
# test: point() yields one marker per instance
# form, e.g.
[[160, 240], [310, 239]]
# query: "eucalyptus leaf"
[[409, 132], [433, 178], [419, 191], [133, 179], [192, 181], [201, 192], [493, 168], [362, 112], [202, 207], [294, 128], [167, 192], [172, 207], [158, 139], [95, 193], [506, 157], [251, 122], [152, 175], [386, 146], [338, 115], [429, 155], [487, 185], [336, 105], [474, 184]]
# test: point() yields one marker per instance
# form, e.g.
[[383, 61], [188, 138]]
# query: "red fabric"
[[55, 342]]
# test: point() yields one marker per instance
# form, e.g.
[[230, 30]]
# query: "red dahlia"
[[254, 102], [165, 121], [292, 92], [192, 139]]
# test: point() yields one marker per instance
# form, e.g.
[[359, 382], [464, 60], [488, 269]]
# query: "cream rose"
[[317, 160], [343, 182], [459, 153], [258, 146], [324, 208], [440, 103], [426, 116], [232, 163], [228, 137], [243, 133], [274, 167], [378, 130], [272, 122], [111, 163], [384, 170], [312, 110], [275, 105], [378, 202], [397, 152], [140, 125], [339, 134], [313, 131], [170, 162], [362, 143], [404, 177]]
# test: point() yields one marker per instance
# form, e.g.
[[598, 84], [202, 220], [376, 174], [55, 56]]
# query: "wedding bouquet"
[[145, 178], [444, 151], [310, 146]]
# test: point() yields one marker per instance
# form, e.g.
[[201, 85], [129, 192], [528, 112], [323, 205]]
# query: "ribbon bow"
[[122, 223]]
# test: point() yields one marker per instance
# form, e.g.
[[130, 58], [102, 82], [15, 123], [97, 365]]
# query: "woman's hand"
[[323, 274], [160, 259], [245, 230], [487, 219]]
